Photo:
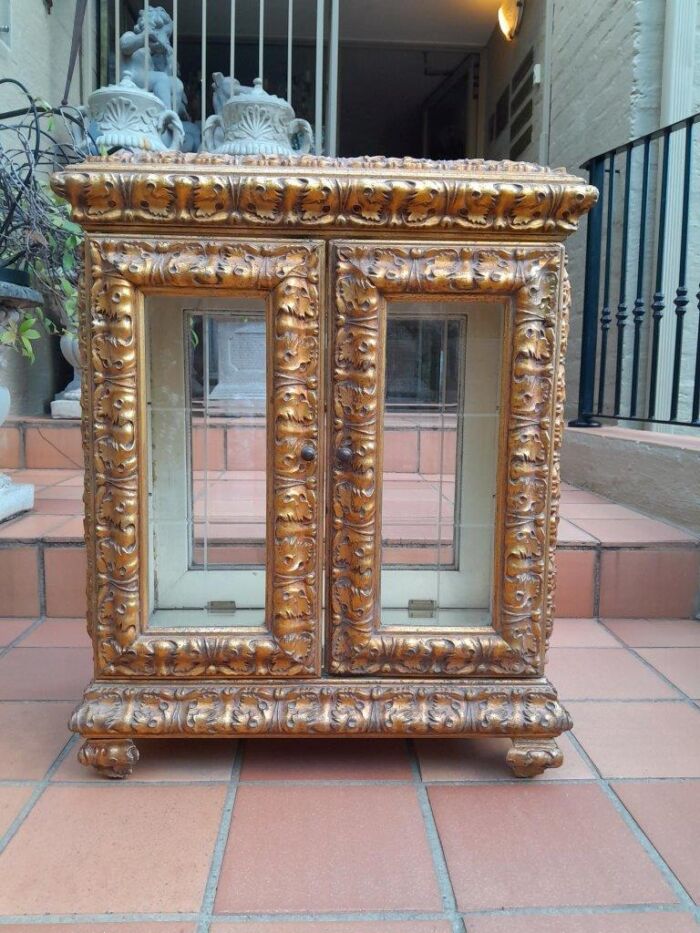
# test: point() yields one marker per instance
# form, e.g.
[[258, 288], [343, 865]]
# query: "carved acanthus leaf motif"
[[330, 708], [115, 477], [365, 277]]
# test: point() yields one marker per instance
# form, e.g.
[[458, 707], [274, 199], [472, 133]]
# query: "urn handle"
[[169, 122], [306, 134], [214, 122]]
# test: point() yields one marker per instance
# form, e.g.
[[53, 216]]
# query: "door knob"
[[308, 452], [344, 455]]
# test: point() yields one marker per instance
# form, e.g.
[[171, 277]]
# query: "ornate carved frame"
[[531, 278], [114, 432], [190, 684]]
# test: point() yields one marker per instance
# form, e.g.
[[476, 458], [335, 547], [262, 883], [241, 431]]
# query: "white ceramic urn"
[[129, 117], [254, 122]]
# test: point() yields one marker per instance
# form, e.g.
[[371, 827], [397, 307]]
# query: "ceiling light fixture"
[[510, 16]]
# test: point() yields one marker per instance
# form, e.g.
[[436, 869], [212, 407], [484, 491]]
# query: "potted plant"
[[40, 249]]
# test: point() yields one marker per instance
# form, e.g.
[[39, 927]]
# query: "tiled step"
[[612, 561]]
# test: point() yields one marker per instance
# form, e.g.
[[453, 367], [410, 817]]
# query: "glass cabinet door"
[[418, 390], [439, 446], [208, 479]]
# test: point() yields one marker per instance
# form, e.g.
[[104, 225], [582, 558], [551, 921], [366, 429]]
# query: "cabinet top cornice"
[[316, 193]]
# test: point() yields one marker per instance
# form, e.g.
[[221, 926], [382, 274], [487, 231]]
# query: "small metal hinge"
[[221, 605], [421, 608]]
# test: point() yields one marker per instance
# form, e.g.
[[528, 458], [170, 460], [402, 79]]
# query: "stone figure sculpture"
[[153, 66]]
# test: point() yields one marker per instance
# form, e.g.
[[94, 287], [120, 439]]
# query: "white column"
[[318, 118], [676, 103], [146, 46], [117, 46], [232, 44], [176, 103], [261, 39], [332, 102], [203, 91], [290, 43]]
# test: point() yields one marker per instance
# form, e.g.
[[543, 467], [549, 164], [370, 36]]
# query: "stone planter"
[[67, 403]]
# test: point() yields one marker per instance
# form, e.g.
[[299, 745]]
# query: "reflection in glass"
[[440, 429], [208, 458]]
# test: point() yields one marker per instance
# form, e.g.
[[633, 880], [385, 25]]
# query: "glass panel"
[[207, 404], [440, 434]]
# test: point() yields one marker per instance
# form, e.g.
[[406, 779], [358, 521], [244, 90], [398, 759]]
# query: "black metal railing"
[[643, 240]]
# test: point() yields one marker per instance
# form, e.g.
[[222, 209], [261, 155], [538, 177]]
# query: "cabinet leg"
[[113, 758], [529, 757]]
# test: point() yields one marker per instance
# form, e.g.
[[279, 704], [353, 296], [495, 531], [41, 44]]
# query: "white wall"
[[37, 55]]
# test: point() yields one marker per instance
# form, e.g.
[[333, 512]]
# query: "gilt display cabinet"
[[322, 411]]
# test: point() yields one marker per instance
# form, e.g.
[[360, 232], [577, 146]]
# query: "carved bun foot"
[[530, 757], [113, 758]]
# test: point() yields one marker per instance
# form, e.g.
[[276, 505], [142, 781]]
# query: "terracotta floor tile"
[[45, 673], [52, 864], [680, 665], [19, 581], [669, 814], [649, 583], [119, 927], [325, 760], [58, 633], [640, 739], [656, 633], [344, 848], [569, 533], [165, 760], [10, 447], [342, 926], [581, 633], [485, 760], [632, 530], [576, 510], [628, 921], [12, 799], [30, 527], [575, 584], [53, 449], [70, 528], [65, 507], [69, 493], [64, 569], [604, 674], [11, 629], [529, 846], [31, 736], [42, 477]]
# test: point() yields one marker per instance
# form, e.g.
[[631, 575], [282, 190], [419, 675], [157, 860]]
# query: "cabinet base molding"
[[113, 713]]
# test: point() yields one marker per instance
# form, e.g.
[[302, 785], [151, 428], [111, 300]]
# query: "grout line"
[[657, 859], [650, 666], [217, 857], [32, 624], [41, 572], [355, 916], [40, 788], [449, 902]]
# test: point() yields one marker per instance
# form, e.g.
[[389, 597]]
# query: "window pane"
[[439, 467], [208, 463]]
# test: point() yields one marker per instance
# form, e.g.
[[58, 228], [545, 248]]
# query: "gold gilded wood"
[[311, 193], [332, 707], [114, 431], [365, 276], [162, 222]]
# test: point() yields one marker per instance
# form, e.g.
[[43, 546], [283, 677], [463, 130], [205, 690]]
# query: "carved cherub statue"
[[161, 80]]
